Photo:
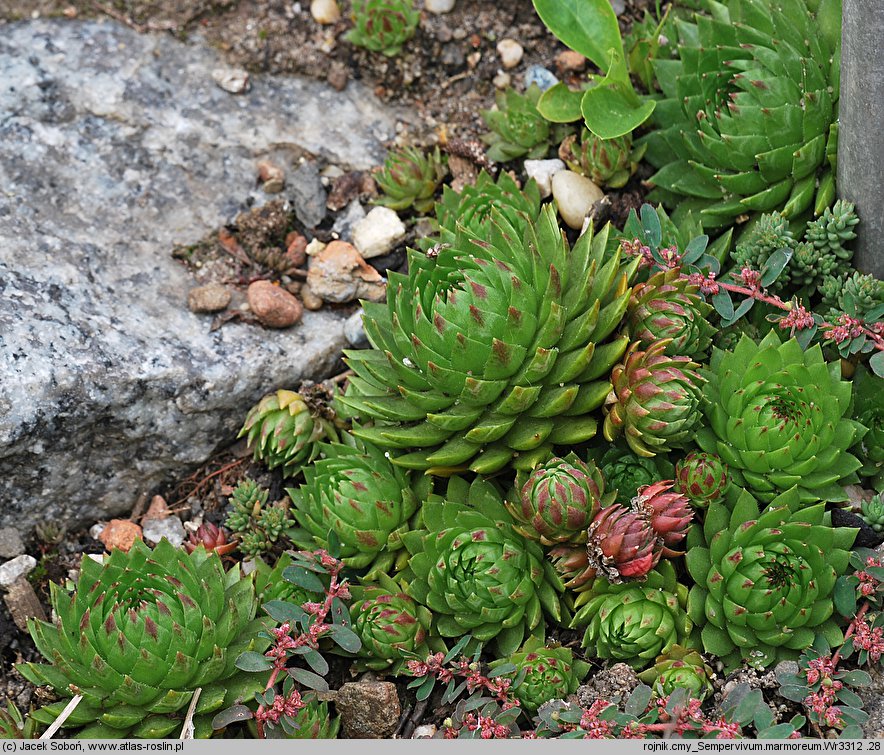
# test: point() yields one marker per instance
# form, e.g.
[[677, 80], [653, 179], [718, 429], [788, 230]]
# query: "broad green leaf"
[[587, 26], [345, 637], [300, 576], [774, 266], [252, 661], [308, 679], [559, 104], [877, 363], [609, 111]]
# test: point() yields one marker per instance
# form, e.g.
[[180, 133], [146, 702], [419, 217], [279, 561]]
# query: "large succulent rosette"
[[655, 400], [558, 500], [139, 634], [544, 673], [492, 351], [361, 497], [667, 306], [748, 122], [478, 575], [765, 580], [391, 625], [634, 622], [779, 417]]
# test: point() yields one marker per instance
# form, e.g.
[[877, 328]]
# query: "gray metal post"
[[861, 135]]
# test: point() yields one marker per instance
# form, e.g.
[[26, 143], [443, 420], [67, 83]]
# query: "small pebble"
[[369, 710], [439, 6], [18, 567], [158, 508], [510, 52], [337, 76], [11, 544], [233, 80], [575, 195], [120, 533], [296, 248], [569, 60], [314, 247], [502, 81], [311, 300], [347, 220], [543, 77], [378, 232], [354, 331], [325, 11], [272, 177], [273, 306], [169, 528], [426, 731], [619, 6], [339, 274], [542, 172], [213, 297]]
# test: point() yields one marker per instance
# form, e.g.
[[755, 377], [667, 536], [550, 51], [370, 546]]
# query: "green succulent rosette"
[[392, 626], [472, 207], [779, 417], [679, 668], [606, 162], [139, 634], [542, 673], [270, 584], [476, 574], [383, 25], [285, 428], [626, 472], [765, 579], [367, 502], [493, 351], [410, 178], [667, 306], [634, 622], [872, 512], [313, 721], [517, 128], [748, 121], [558, 500], [702, 478]]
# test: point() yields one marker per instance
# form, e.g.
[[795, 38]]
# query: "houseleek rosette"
[[410, 178], [702, 478], [748, 122], [779, 417], [634, 622], [383, 25], [626, 472], [765, 580], [517, 129], [361, 497], [494, 350], [679, 668], [478, 575], [139, 634], [545, 673]]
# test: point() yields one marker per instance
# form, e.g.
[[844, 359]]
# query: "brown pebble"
[[337, 76], [120, 533], [272, 177], [296, 248], [273, 306], [311, 300], [568, 60], [339, 274], [23, 603], [353, 185], [369, 710], [213, 297], [157, 509]]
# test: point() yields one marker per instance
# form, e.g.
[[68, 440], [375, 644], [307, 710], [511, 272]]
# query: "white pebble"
[[378, 232], [325, 11], [510, 52], [542, 172], [439, 6], [17, 567], [575, 195], [502, 80]]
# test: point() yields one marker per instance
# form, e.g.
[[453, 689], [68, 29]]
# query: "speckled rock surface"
[[114, 147]]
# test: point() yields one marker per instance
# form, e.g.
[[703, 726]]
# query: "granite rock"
[[114, 147]]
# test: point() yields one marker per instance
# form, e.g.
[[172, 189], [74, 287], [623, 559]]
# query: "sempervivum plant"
[[872, 512], [391, 625], [357, 494], [622, 544], [655, 400], [702, 478], [313, 721], [383, 25], [139, 634], [212, 538], [478, 575], [558, 500], [667, 306], [472, 207], [669, 513], [748, 123], [778, 416], [634, 621], [492, 351], [626, 472], [285, 427], [517, 129], [607, 162], [765, 580], [410, 178], [542, 673], [679, 668]]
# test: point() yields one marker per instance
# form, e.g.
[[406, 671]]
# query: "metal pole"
[[861, 134]]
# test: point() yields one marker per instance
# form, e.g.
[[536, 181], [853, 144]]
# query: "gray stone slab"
[[114, 147]]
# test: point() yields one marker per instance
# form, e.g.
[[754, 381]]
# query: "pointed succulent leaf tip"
[[493, 385], [132, 664]]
